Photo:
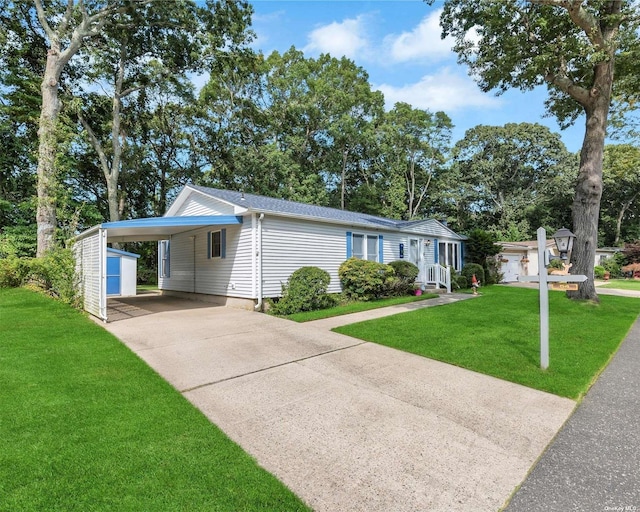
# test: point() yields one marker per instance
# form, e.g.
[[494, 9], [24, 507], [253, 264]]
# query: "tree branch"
[[582, 18]]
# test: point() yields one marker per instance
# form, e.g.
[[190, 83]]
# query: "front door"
[[416, 256]]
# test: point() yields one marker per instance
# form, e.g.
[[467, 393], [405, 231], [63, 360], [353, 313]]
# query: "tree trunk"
[[46, 208], [586, 203]]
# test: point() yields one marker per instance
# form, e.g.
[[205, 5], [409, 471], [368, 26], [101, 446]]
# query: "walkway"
[[337, 321]]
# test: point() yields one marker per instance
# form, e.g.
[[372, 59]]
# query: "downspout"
[[258, 306]]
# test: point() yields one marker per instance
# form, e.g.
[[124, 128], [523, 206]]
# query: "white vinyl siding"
[[198, 204], [197, 273], [288, 244]]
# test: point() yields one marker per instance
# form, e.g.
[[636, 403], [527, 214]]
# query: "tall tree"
[[66, 26], [142, 60], [509, 178], [415, 147], [621, 194], [572, 46]]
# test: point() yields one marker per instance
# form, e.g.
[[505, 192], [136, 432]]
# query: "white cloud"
[[422, 43], [347, 38], [443, 91]]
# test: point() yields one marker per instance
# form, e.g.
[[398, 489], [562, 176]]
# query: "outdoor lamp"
[[427, 242], [564, 242]]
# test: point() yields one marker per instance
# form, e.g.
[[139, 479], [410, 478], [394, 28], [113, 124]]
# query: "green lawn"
[[623, 284], [356, 307], [498, 334], [86, 425]]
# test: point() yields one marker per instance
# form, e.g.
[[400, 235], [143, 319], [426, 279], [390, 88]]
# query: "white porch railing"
[[438, 275]]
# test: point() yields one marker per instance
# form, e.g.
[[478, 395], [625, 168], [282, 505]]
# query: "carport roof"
[[158, 228]]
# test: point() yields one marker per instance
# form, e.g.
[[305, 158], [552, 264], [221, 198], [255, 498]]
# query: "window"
[[448, 254], [364, 247], [217, 242], [163, 257], [216, 245]]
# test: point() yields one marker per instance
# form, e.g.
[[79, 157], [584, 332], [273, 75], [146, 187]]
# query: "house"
[[238, 249], [521, 258]]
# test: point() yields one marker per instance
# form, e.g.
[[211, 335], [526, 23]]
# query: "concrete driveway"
[[347, 425]]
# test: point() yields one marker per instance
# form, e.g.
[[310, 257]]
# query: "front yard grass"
[[498, 334], [623, 284], [356, 307], [87, 425]]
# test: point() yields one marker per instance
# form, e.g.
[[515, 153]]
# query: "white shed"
[[122, 273]]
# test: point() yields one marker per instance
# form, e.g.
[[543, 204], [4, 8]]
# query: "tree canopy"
[[572, 47]]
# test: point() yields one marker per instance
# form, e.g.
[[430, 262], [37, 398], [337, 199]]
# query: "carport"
[[90, 249]]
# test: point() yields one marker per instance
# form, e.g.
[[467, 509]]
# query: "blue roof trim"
[[111, 250], [163, 222]]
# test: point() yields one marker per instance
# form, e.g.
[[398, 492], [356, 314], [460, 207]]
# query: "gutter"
[[258, 306]]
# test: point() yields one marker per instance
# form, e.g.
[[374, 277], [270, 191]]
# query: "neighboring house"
[[238, 249], [521, 258]]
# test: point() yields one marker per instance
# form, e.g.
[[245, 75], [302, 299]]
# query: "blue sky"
[[398, 43]]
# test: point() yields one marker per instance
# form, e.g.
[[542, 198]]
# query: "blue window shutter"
[[349, 249], [223, 243], [208, 245], [380, 250], [435, 250]]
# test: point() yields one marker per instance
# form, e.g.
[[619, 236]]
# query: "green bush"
[[473, 268], [614, 265], [53, 274], [557, 263], [405, 278], [459, 282], [305, 290], [598, 271], [365, 280]]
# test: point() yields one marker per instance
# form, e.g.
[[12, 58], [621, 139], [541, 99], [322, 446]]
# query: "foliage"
[[473, 268], [365, 280], [406, 274], [620, 194], [498, 335], [305, 290], [459, 282], [614, 264], [53, 274], [631, 252], [493, 274], [480, 245], [93, 427], [509, 180], [18, 241], [556, 263], [598, 272]]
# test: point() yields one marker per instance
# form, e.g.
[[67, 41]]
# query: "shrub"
[[459, 282], [614, 265], [557, 263], [598, 271], [473, 268], [365, 280], [53, 274], [405, 277], [305, 290]]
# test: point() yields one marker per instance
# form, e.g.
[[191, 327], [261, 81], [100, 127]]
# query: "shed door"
[[113, 275], [511, 268]]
